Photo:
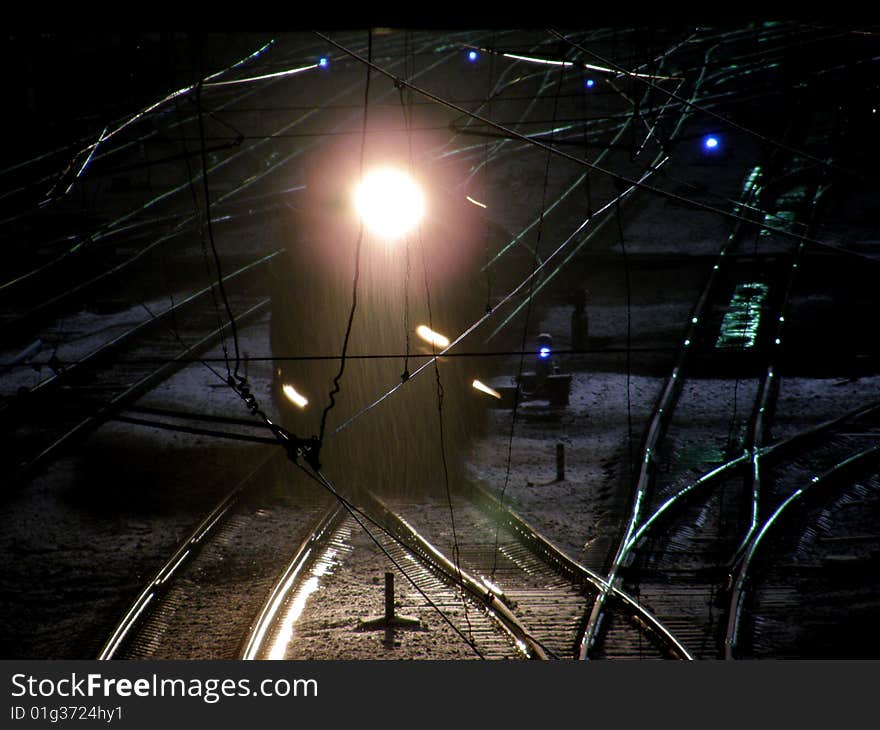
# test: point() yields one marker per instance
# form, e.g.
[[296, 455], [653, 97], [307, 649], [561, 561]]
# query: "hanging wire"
[[525, 331], [210, 228], [357, 254]]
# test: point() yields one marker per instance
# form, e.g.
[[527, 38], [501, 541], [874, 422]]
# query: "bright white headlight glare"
[[389, 202]]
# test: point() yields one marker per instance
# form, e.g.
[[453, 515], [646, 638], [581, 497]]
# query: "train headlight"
[[294, 396], [389, 202]]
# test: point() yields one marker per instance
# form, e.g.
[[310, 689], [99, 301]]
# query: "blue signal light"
[[589, 83], [544, 353], [472, 56], [323, 62], [711, 143]]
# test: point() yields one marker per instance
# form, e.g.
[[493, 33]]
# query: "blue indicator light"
[[472, 56], [589, 83], [323, 62], [711, 143], [544, 353]]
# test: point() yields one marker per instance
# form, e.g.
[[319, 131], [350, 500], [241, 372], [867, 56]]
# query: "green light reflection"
[[739, 328]]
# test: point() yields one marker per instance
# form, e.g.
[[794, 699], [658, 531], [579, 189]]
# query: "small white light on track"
[[294, 396], [486, 389], [432, 337]]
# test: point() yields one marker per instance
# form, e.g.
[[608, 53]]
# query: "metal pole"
[[389, 596]]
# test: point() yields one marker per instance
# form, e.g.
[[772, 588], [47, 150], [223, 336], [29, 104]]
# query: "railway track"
[[689, 573], [452, 606], [79, 397], [681, 572], [695, 556], [199, 604], [823, 545], [520, 598]]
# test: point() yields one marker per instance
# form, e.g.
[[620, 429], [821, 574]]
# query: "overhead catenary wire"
[[407, 110], [698, 107], [688, 202], [107, 133], [603, 350], [628, 290]]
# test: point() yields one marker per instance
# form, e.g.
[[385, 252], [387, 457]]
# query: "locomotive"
[[417, 290]]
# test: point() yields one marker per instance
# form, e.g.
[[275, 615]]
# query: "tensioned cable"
[[626, 120], [107, 134], [561, 140], [591, 628], [584, 163], [488, 104], [456, 554], [283, 438], [370, 356], [198, 219], [243, 391], [406, 108], [107, 228], [698, 107]]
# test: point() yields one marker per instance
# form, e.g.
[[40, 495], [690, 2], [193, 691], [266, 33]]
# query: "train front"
[[385, 245]]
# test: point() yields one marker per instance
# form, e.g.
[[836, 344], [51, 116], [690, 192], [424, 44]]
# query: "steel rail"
[[661, 414], [184, 553], [108, 409], [656, 431], [839, 471], [572, 569], [108, 347], [768, 389], [261, 627], [412, 541], [766, 453]]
